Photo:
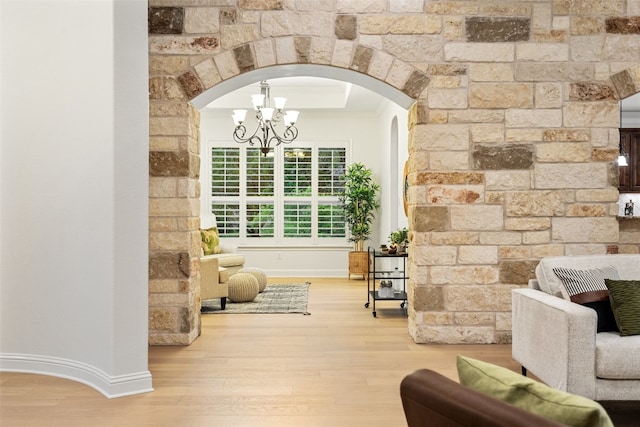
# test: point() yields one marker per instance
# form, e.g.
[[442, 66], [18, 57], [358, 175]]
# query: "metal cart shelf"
[[375, 274]]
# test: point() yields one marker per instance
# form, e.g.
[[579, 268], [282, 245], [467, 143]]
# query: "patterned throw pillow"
[[210, 241], [625, 302], [587, 287]]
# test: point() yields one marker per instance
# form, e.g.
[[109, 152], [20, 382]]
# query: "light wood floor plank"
[[337, 366]]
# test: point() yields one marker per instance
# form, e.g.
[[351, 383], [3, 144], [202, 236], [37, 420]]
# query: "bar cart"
[[379, 273]]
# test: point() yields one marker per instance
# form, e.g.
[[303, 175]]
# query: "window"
[[289, 198]]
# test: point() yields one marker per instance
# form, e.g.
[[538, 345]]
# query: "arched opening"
[[186, 317]]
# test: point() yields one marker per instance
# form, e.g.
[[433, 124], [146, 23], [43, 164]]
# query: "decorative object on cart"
[[267, 119], [386, 289], [628, 208], [400, 239], [384, 248]]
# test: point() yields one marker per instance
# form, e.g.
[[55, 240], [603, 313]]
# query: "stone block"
[[172, 207], [454, 195], [412, 48], [363, 6], [169, 265], [472, 217], [163, 187], [553, 72], [415, 85], [474, 319], [479, 72], [448, 98], [400, 24], [591, 114], [169, 163], [541, 251], [514, 252], [585, 230], [524, 224], [587, 210], [202, 20], [163, 224], [508, 180], [184, 45], [429, 218], [226, 64], [261, 4], [191, 84], [543, 52], [477, 255], [380, 65], [500, 238], [518, 118], [442, 137], [475, 298], [548, 95], [448, 160], [501, 95], [165, 20], [536, 237], [170, 241], [207, 73], [346, 27], [455, 238], [265, 53], [341, 56], [163, 319], [523, 135], [487, 133], [479, 52], [517, 272], [476, 116], [236, 35], [535, 203], [362, 58], [458, 334], [591, 91], [502, 157], [428, 298], [435, 255], [284, 24], [496, 30], [570, 175]]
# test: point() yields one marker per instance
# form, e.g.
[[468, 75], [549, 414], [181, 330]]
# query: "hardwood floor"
[[337, 366]]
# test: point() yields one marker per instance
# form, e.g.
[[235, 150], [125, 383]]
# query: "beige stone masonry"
[[512, 138]]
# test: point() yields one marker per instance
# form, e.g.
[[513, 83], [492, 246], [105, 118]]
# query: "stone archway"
[[175, 97]]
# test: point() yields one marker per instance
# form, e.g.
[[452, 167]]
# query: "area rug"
[[276, 298]]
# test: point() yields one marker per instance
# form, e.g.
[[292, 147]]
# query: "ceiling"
[[307, 93]]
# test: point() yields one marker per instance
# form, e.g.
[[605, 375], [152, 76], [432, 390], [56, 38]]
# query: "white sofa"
[[557, 340]]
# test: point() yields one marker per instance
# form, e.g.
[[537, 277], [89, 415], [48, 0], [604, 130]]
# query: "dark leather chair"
[[430, 399]]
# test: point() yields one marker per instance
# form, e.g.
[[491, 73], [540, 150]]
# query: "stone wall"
[[512, 138]]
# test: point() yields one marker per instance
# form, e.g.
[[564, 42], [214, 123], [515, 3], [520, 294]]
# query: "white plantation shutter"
[[291, 197]]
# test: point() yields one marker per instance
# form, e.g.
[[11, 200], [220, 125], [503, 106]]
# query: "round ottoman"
[[259, 275], [243, 287]]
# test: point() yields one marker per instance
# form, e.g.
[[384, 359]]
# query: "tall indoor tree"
[[360, 203]]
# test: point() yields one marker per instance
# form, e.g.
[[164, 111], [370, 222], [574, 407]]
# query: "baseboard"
[[110, 386]]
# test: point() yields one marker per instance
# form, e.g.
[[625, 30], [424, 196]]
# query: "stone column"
[[174, 222]]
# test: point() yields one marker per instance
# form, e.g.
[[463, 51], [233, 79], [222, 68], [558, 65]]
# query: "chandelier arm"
[[239, 133], [289, 135]]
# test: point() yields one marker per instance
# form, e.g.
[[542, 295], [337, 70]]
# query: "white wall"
[[74, 191], [369, 134]]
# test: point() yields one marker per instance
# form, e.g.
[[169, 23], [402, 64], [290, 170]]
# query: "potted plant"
[[360, 203], [399, 239]]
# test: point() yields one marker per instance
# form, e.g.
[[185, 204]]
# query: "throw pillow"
[[531, 395], [587, 287], [210, 241], [624, 296]]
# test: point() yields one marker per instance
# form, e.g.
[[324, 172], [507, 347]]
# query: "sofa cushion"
[[210, 241], [230, 260], [627, 265], [624, 296], [587, 287], [531, 395], [617, 358]]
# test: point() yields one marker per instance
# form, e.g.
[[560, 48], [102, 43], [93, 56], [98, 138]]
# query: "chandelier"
[[268, 118]]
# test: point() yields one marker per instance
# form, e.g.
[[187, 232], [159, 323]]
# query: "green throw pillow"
[[210, 241], [531, 395], [624, 296]]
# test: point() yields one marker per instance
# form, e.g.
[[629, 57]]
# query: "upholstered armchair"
[[210, 284]]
